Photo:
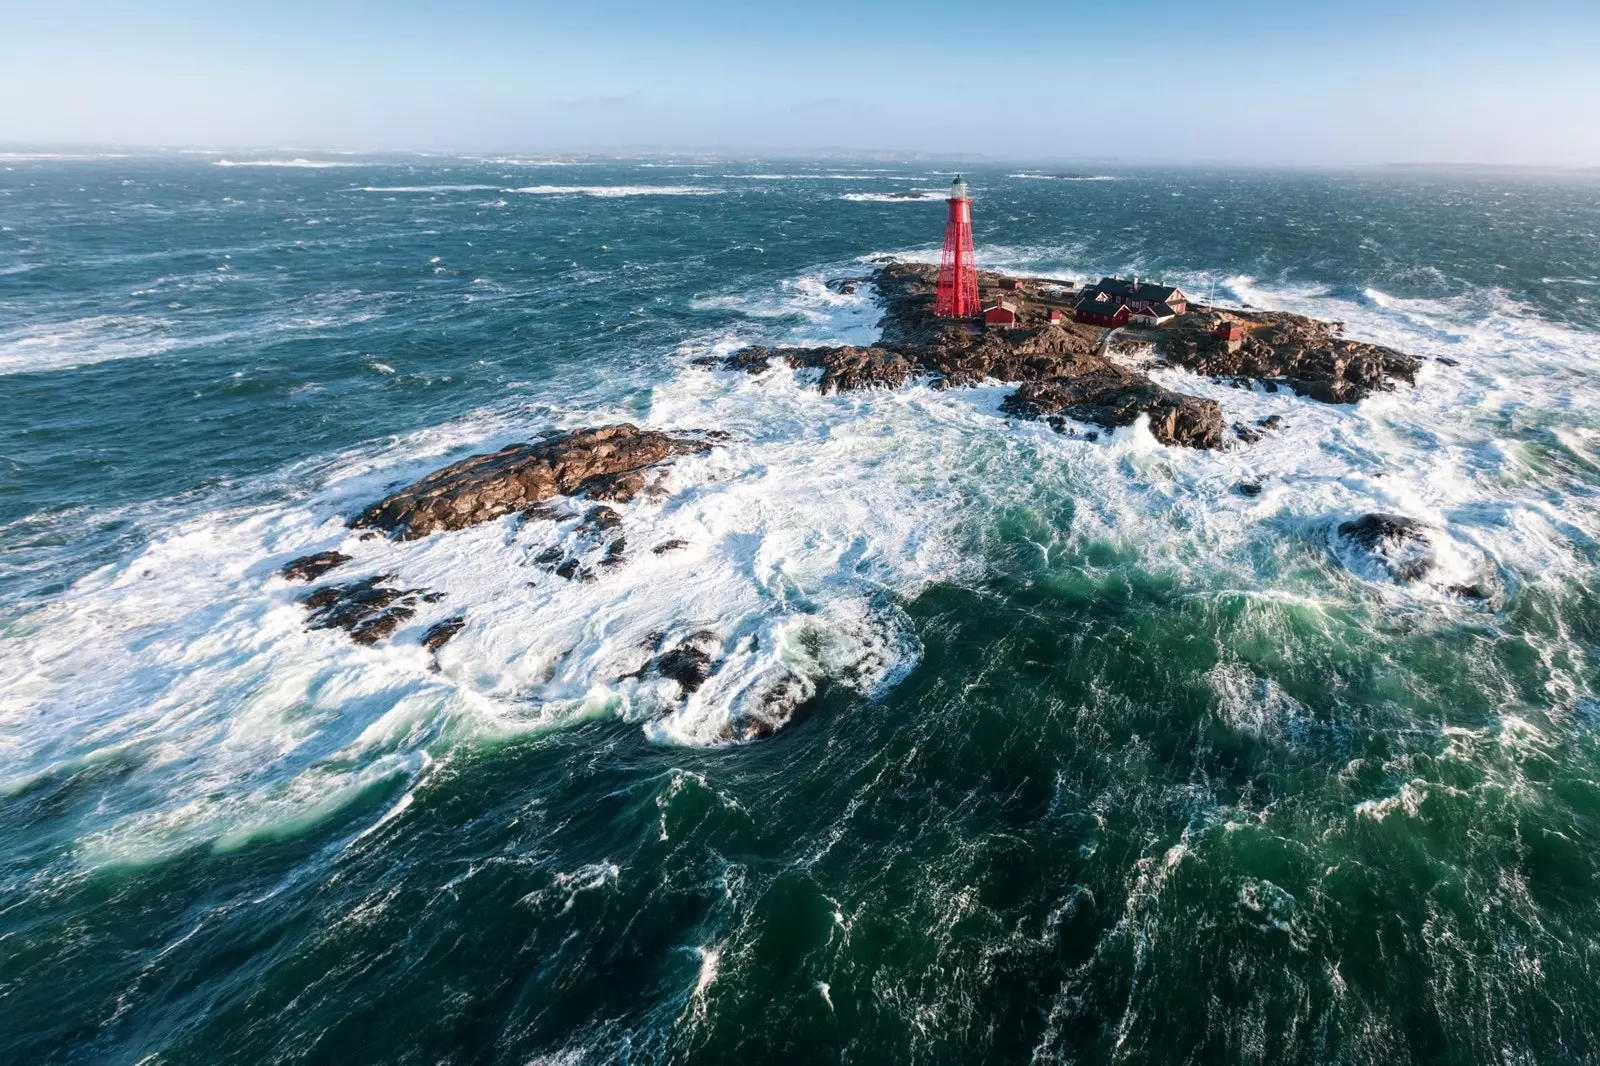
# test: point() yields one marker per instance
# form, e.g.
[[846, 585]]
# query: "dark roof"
[[1093, 308], [1144, 290], [1160, 310]]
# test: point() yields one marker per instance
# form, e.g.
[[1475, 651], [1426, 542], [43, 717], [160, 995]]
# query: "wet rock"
[[598, 519], [1446, 360], [669, 546], [1109, 396], [689, 663], [440, 633], [619, 488], [844, 369], [616, 553], [573, 570], [1250, 487], [368, 610], [1467, 592], [1271, 422], [1309, 356], [311, 567], [848, 286], [520, 476], [1246, 433], [1398, 543]]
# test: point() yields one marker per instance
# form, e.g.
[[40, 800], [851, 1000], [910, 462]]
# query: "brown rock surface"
[[518, 477], [1307, 355], [1108, 395]]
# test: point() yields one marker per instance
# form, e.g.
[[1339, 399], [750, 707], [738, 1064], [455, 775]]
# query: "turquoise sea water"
[[1098, 759]]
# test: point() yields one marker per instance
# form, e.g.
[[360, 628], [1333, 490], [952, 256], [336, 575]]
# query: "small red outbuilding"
[[1002, 315]]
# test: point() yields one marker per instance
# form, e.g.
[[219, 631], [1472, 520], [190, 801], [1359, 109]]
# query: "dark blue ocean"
[[1095, 758]]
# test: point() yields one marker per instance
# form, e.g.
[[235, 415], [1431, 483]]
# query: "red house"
[[1002, 315], [1055, 318], [1102, 313], [1009, 283]]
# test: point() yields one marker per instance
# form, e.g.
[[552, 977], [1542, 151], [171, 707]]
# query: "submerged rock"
[[440, 633], [520, 476], [1397, 543], [311, 567]]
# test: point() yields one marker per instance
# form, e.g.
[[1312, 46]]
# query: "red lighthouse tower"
[[958, 275]]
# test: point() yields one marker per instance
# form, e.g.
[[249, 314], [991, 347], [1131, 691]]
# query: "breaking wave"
[[616, 190]]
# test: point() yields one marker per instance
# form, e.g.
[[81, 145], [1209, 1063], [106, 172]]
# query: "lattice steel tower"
[[958, 275]]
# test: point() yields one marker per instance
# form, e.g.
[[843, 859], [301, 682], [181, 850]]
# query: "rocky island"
[[1063, 366]]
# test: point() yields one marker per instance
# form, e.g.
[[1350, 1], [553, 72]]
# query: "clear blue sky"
[[1292, 81]]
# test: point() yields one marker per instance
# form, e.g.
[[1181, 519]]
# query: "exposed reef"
[[604, 462]]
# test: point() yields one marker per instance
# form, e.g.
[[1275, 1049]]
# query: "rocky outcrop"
[[843, 369], [609, 462], [1308, 356], [1107, 395]]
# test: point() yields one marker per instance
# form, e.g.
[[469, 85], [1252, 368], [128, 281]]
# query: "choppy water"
[[1103, 761]]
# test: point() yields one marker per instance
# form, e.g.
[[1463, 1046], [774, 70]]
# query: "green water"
[[1103, 761]]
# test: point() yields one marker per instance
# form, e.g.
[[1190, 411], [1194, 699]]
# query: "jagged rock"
[[516, 478], [311, 567], [1271, 422], [1398, 543], [1279, 348], [368, 610], [1246, 433], [1109, 396], [1248, 488], [843, 369], [1446, 360], [669, 546]]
